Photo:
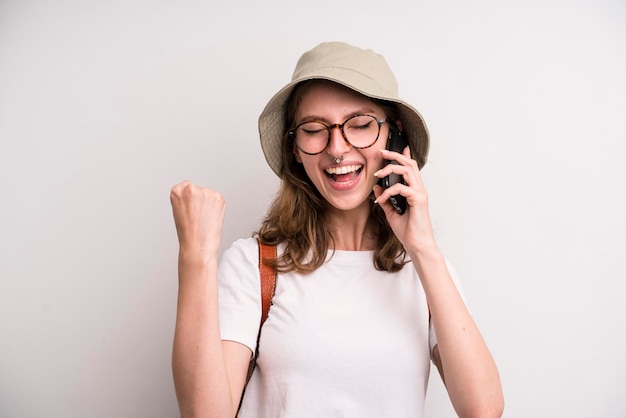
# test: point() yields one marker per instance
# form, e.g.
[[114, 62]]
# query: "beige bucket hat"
[[361, 70]]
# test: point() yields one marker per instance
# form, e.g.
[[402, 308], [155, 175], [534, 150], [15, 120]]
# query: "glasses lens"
[[361, 131], [312, 137]]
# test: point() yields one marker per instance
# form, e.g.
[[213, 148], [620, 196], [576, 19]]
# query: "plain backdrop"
[[105, 105]]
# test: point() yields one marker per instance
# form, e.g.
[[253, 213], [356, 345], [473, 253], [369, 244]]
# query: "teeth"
[[343, 170]]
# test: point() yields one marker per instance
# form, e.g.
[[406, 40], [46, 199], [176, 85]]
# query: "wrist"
[[430, 265], [423, 248], [197, 259]]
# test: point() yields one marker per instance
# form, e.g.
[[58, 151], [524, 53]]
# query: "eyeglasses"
[[360, 131]]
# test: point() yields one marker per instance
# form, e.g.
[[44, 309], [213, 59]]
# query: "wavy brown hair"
[[297, 215]]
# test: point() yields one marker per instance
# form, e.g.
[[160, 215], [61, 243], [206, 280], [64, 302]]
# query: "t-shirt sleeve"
[[239, 293], [455, 278]]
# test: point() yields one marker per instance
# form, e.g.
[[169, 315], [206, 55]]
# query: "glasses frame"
[[329, 128]]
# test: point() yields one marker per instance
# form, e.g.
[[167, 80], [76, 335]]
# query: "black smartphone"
[[395, 142]]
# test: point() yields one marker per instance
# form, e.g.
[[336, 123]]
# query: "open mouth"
[[345, 173]]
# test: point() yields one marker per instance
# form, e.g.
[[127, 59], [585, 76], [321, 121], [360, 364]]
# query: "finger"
[[382, 199], [182, 185], [401, 170], [402, 158], [411, 175]]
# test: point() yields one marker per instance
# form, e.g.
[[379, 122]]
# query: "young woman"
[[364, 297]]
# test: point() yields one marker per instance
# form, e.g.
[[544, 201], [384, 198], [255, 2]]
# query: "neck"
[[349, 229]]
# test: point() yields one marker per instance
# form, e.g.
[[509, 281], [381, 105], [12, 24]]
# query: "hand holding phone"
[[395, 142]]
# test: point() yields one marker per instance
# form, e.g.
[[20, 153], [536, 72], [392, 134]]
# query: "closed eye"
[[362, 126], [312, 131]]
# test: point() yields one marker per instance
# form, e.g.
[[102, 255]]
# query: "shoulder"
[[244, 248], [242, 256], [244, 244]]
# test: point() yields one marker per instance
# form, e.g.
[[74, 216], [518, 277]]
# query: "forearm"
[[200, 374], [471, 376]]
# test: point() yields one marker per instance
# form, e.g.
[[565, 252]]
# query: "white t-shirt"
[[344, 341]]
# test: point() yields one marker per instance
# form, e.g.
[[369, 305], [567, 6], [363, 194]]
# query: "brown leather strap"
[[267, 276], [268, 279]]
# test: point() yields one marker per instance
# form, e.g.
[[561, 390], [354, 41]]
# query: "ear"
[[399, 125]]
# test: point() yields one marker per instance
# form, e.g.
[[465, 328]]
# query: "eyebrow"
[[361, 111]]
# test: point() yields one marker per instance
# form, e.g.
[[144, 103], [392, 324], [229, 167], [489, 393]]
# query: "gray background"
[[105, 105]]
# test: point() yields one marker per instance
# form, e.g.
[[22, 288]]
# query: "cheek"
[[374, 154], [375, 159], [309, 163]]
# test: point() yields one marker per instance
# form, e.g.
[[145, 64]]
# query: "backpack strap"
[[267, 276], [268, 279]]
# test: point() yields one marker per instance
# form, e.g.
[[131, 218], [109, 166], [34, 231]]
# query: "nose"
[[337, 145]]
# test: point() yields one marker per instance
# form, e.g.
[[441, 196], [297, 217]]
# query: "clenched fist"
[[199, 216]]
